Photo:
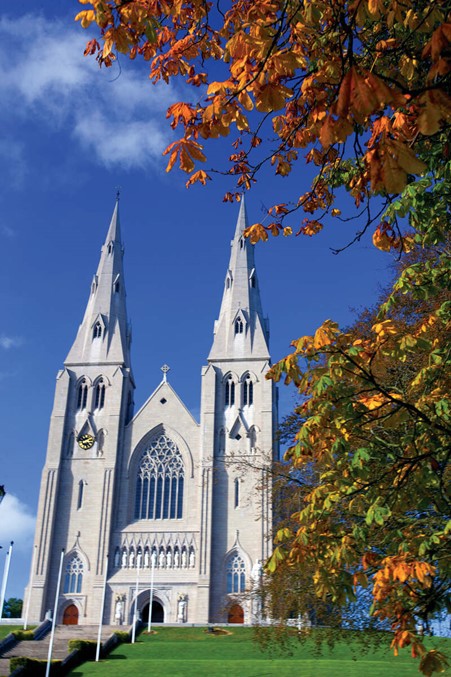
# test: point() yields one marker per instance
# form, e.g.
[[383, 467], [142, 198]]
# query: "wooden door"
[[70, 615], [236, 614]]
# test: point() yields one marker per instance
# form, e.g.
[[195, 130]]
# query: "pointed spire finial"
[[118, 193]]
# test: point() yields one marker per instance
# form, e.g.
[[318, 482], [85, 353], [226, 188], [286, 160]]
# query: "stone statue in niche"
[[119, 609], [182, 609]]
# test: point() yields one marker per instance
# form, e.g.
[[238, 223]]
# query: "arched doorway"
[[157, 613], [70, 616], [236, 614]]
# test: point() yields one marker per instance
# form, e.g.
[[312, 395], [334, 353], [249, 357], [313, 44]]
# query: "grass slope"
[[192, 651], [6, 629]]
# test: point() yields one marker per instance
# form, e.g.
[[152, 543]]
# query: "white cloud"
[[116, 112], [17, 524], [7, 342]]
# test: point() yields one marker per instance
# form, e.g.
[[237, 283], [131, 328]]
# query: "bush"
[[85, 646], [33, 666], [23, 635], [122, 636]]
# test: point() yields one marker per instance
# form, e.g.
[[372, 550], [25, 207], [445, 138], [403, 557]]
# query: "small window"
[[97, 331], [229, 392], [99, 396], [248, 391], [81, 487], [82, 395], [237, 492], [253, 281], [110, 248], [242, 243], [117, 284], [239, 327]]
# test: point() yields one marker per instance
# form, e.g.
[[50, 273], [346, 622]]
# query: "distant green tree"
[[13, 608]]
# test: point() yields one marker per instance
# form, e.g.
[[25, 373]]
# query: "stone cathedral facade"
[[154, 496]]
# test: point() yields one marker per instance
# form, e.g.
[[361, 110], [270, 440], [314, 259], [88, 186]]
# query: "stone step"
[[63, 634]]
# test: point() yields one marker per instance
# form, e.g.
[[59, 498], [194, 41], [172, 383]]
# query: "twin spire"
[[104, 334], [241, 330]]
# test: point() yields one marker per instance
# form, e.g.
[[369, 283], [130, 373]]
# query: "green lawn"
[[6, 629], [192, 651]]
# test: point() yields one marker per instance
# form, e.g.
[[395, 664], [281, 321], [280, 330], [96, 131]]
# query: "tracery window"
[[73, 575], [82, 395], [236, 574], [99, 394], [239, 326], [160, 482], [229, 392], [248, 391]]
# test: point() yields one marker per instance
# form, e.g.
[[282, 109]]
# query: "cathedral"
[[166, 515]]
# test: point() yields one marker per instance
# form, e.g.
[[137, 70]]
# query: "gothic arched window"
[[239, 326], [236, 574], [73, 578], [82, 394], [248, 391], [229, 392], [99, 394], [159, 486], [97, 331]]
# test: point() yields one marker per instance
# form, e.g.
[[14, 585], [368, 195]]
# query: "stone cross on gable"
[[165, 370]]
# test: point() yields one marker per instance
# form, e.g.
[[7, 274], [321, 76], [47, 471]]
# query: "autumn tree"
[[360, 89]]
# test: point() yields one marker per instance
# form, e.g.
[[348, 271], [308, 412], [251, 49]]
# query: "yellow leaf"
[[86, 17]]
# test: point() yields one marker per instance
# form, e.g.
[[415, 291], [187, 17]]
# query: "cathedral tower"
[[93, 401], [239, 416]]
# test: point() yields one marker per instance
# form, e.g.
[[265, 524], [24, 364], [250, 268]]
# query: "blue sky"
[[70, 135]]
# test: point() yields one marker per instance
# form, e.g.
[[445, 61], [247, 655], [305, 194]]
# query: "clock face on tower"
[[85, 441]]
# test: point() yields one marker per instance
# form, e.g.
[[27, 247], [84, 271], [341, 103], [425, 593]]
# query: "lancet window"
[[248, 391], [82, 395], [239, 326], [160, 481], [229, 392], [81, 489], [236, 574], [99, 394], [97, 331], [73, 577]]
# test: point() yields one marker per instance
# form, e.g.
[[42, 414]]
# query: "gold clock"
[[86, 441]]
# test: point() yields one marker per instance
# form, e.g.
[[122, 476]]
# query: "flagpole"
[[102, 608], [5, 577], [135, 615], [55, 611], [151, 595], [35, 549]]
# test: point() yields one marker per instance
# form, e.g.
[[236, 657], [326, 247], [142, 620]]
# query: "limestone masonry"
[[183, 504]]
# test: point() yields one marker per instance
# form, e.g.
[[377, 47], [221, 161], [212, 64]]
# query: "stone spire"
[[104, 335], [241, 331]]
